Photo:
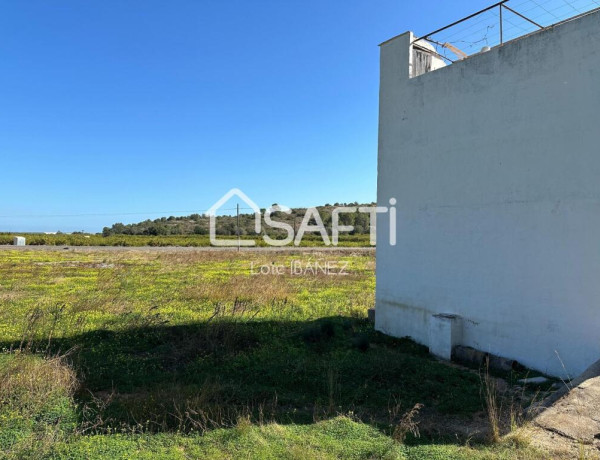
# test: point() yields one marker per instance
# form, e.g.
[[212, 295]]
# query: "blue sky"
[[118, 107]]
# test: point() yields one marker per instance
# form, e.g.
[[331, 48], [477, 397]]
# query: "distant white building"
[[19, 241], [495, 164]]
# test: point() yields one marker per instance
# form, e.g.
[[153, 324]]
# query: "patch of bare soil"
[[473, 428], [511, 403]]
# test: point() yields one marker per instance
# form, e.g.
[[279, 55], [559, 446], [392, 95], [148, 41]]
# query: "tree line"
[[227, 225]]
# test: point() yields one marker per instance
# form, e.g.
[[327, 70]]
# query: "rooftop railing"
[[502, 22]]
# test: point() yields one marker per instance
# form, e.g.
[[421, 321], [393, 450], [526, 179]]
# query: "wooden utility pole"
[[238, 226]]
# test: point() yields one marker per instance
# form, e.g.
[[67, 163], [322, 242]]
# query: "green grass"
[[337, 438], [186, 355]]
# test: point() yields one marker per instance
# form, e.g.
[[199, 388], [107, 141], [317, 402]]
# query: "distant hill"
[[226, 225]]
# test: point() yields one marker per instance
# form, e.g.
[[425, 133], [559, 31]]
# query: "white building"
[[495, 164]]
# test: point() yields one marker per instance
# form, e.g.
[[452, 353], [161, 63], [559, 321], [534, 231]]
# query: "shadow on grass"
[[206, 375]]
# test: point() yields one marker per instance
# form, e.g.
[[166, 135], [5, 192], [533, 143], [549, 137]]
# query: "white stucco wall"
[[495, 163]]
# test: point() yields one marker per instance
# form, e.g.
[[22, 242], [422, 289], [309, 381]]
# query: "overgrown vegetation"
[[37, 409], [193, 354], [80, 239]]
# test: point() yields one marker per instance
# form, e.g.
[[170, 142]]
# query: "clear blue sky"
[[117, 107]]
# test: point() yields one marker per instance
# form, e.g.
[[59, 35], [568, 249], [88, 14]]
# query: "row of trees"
[[227, 225]]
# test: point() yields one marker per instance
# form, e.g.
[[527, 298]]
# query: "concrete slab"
[[576, 415]]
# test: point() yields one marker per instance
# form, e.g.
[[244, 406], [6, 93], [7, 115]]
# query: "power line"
[[39, 216], [137, 213]]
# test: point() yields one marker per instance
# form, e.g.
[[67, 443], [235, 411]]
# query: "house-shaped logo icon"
[[212, 213]]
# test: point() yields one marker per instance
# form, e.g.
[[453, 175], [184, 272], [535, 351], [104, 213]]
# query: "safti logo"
[[312, 215], [212, 214]]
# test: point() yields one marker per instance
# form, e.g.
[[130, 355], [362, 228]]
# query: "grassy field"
[[37, 239], [193, 354]]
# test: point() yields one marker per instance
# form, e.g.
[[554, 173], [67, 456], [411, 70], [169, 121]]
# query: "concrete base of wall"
[[476, 358], [371, 314]]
